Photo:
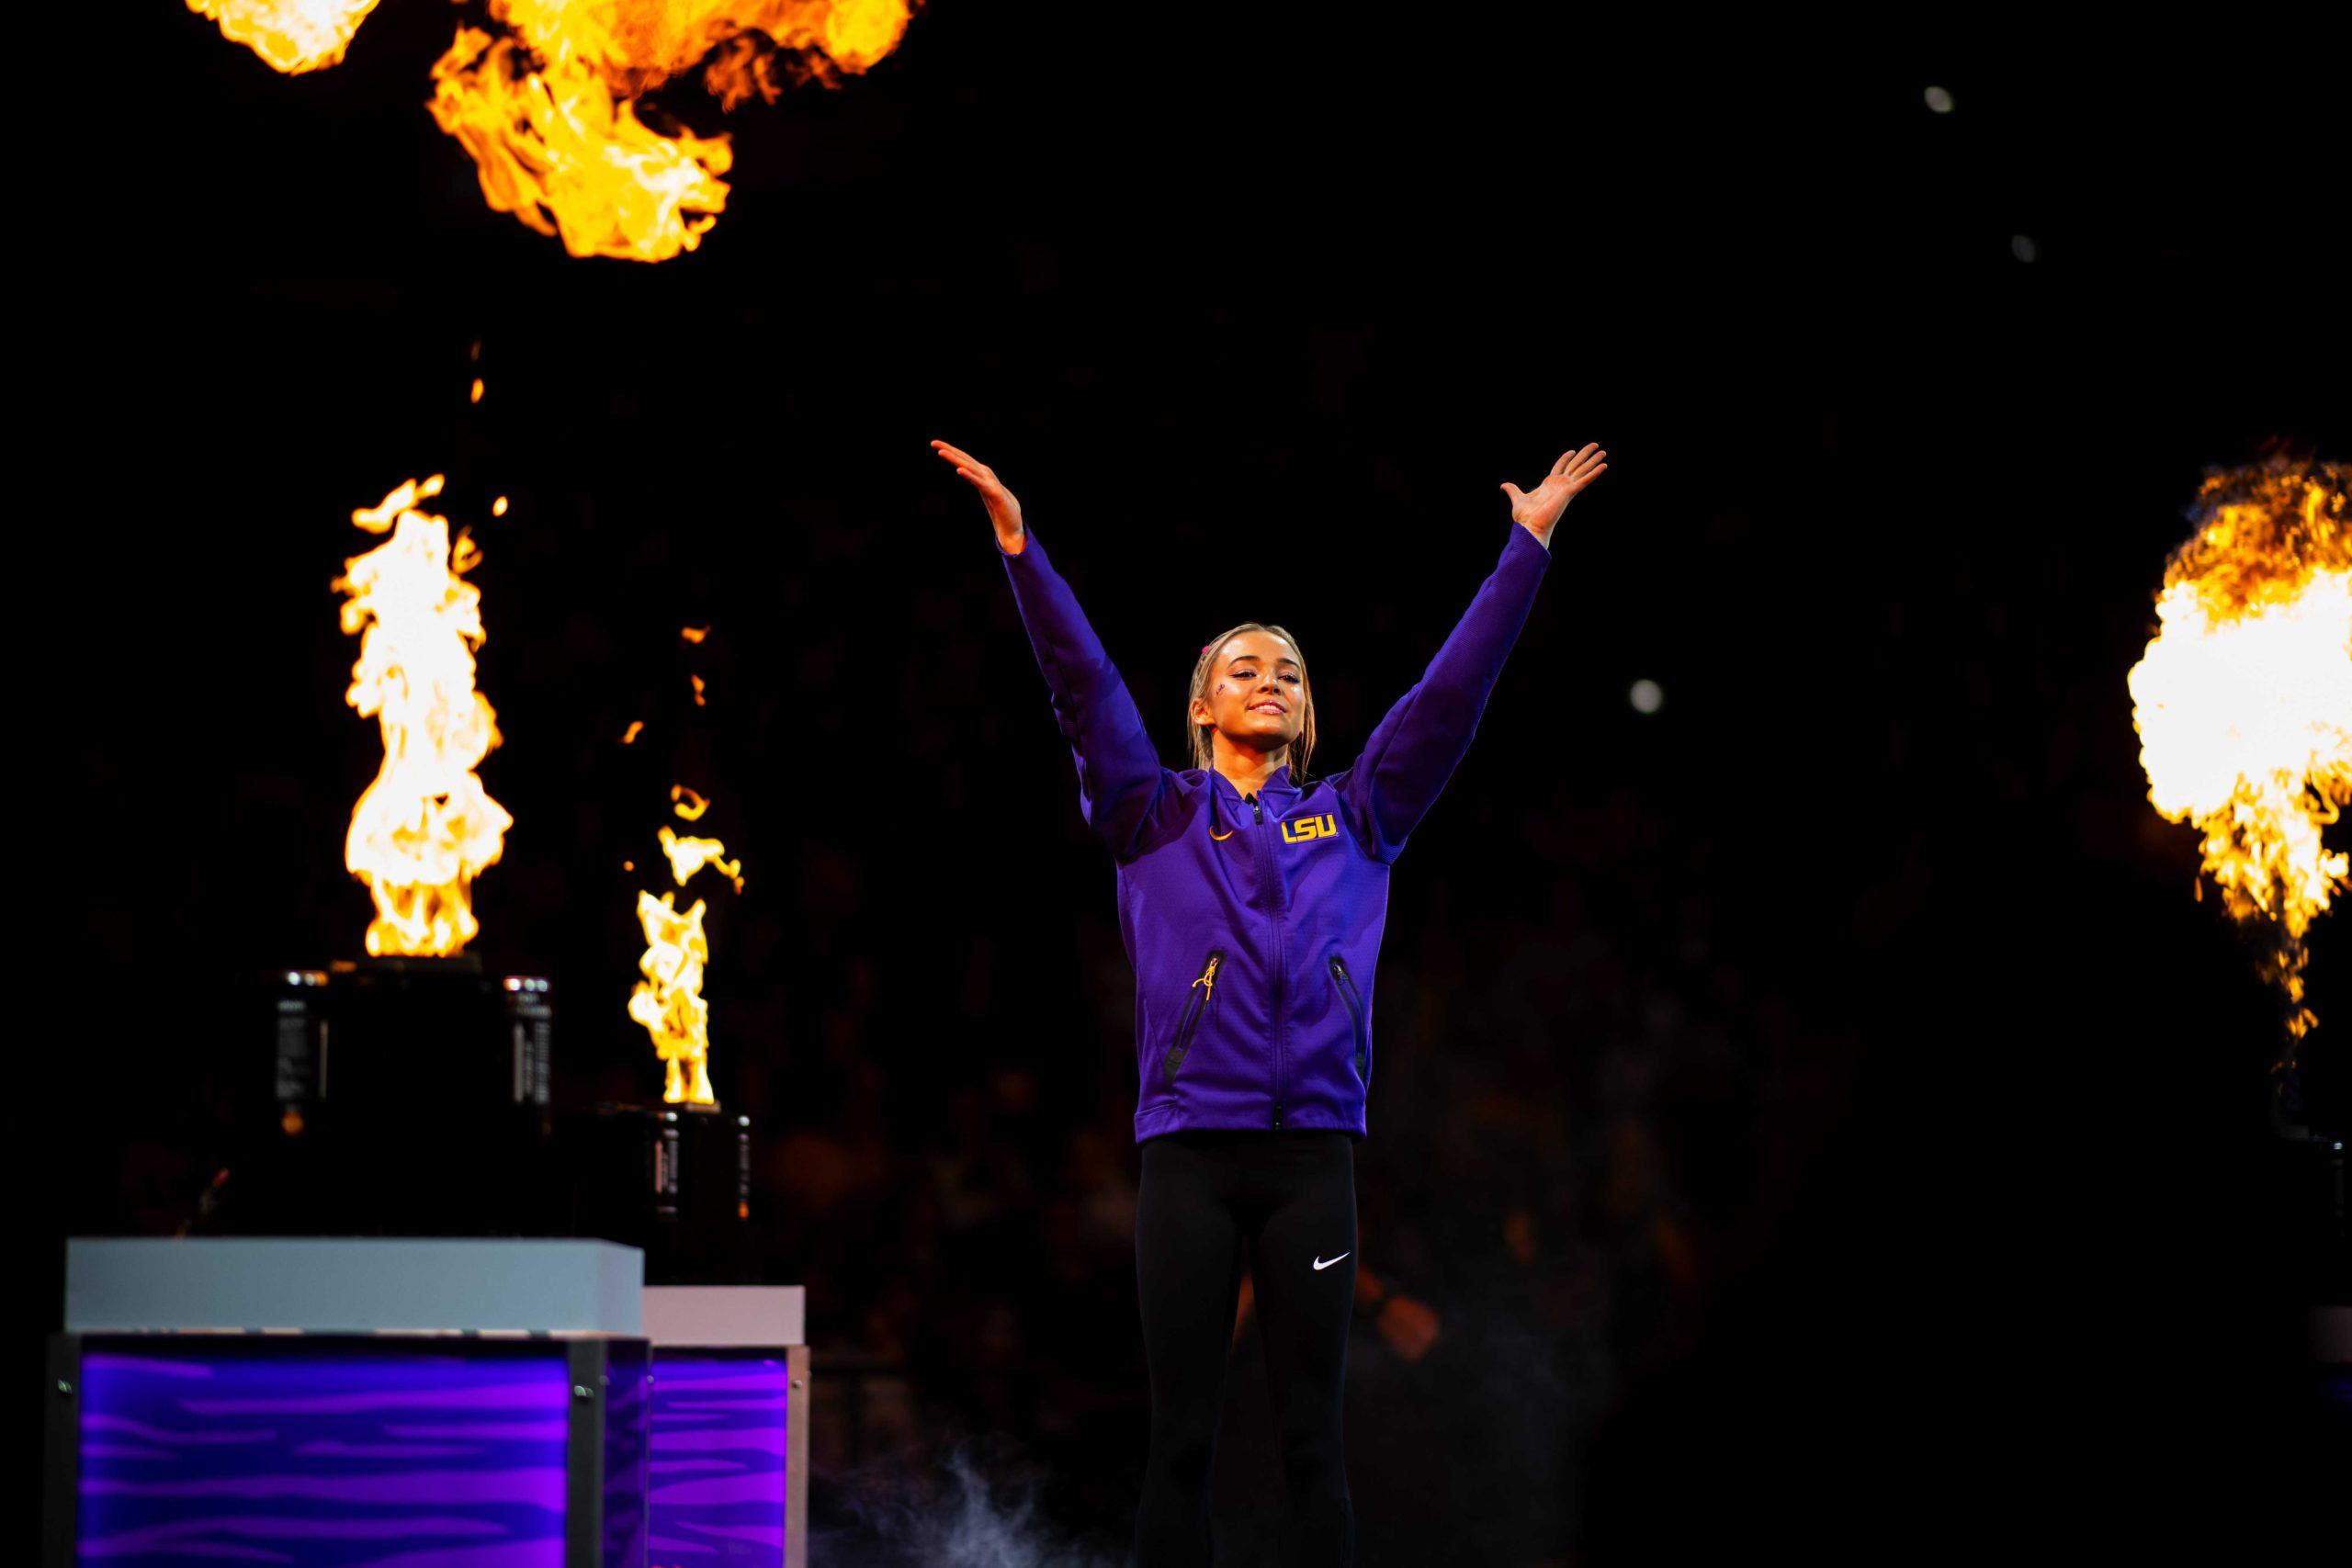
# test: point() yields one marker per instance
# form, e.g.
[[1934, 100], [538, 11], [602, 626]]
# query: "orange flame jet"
[[2244, 699], [667, 1001], [293, 36], [544, 99], [425, 828]]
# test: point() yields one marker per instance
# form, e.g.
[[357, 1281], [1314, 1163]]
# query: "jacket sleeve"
[[1417, 747], [1120, 779]]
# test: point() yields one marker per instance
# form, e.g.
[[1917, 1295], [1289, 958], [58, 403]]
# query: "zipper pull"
[[1207, 982], [1255, 815]]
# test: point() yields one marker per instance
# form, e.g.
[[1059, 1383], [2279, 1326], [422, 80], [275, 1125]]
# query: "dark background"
[[1816, 1113]]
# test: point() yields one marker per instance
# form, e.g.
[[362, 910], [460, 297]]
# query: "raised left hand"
[[1538, 511]]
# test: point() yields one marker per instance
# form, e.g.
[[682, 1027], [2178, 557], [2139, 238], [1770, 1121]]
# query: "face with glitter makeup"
[[1257, 694]]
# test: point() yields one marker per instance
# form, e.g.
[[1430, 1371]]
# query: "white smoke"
[[973, 1504]]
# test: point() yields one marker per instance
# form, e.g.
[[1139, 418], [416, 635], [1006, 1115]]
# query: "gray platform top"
[[724, 1317], [353, 1285]]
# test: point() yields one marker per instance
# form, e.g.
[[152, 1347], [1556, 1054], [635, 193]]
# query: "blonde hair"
[[1295, 755]]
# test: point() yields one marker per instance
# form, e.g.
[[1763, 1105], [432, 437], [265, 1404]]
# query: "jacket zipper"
[[1204, 991], [1355, 1016], [1274, 889]]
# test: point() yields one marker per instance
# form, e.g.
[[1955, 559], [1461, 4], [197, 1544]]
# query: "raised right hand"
[[1005, 510], [1538, 510]]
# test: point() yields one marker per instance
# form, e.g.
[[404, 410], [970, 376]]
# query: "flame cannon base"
[[409, 1097], [672, 1180]]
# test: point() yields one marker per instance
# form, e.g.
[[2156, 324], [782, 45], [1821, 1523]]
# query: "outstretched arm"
[[1120, 778], [1423, 738]]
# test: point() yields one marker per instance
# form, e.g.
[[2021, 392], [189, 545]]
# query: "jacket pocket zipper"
[[1204, 991], [1355, 1016]]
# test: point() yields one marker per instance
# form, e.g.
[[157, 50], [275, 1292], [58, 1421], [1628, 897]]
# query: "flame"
[[699, 700], [667, 1001], [2244, 698], [694, 634], [547, 103], [635, 727], [425, 828], [688, 806], [555, 146], [293, 36], [690, 855], [550, 110]]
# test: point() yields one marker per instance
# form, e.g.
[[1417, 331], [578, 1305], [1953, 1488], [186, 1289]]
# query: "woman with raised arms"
[[1251, 899]]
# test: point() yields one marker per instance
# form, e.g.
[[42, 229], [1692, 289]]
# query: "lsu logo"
[[1299, 830]]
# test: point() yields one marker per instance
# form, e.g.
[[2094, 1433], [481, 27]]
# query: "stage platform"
[[405, 1403]]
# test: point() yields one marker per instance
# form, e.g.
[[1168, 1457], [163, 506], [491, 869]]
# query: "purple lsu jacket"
[[1254, 923]]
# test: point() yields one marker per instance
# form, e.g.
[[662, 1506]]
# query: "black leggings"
[[1291, 1196]]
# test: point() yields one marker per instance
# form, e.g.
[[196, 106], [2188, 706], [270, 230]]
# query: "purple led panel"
[[718, 1466], [628, 1398], [293, 1452]]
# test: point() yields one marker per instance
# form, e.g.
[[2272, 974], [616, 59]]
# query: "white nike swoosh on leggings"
[[1323, 1263]]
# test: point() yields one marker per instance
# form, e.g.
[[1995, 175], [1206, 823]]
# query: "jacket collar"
[[1277, 781]]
